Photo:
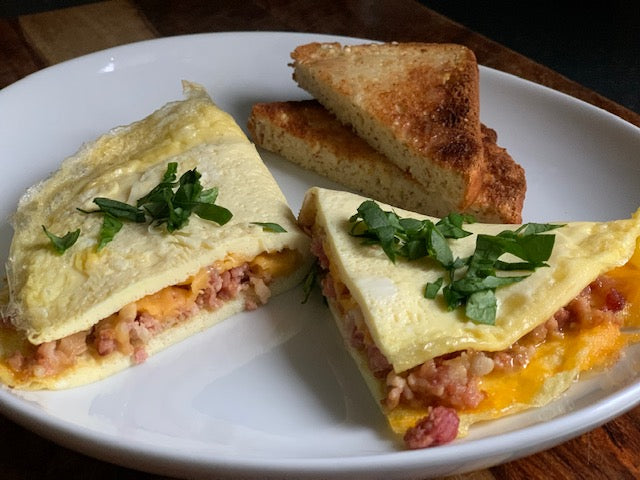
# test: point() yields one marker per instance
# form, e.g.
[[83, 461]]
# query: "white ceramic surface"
[[272, 392]]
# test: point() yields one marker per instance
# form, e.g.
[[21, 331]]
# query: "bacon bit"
[[6, 321], [16, 361], [357, 338], [615, 301], [438, 428], [250, 305], [139, 355], [105, 341], [378, 363], [317, 249], [328, 287], [151, 324]]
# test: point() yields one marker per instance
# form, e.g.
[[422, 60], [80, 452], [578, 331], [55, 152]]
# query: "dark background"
[[595, 45]]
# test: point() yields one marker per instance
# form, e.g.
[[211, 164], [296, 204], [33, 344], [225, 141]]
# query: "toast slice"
[[416, 103], [305, 133]]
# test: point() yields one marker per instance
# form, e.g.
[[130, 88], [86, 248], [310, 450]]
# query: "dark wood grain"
[[386, 20], [17, 58], [32, 42]]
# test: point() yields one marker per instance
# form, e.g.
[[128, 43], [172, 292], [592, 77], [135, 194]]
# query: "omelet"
[[92, 291], [434, 368]]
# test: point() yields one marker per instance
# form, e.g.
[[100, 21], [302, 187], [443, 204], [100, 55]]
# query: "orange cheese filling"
[[170, 301]]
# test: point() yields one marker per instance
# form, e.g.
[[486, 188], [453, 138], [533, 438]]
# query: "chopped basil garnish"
[[61, 244], [164, 205], [110, 226], [116, 209], [170, 202], [432, 288], [469, 282], [270, 227], [310, 280]]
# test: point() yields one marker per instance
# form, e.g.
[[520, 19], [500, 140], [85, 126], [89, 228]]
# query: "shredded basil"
[[62, 244], [110, 226], [270, 227], [164, 205], [468, 283], [170, 202], [310, 280]]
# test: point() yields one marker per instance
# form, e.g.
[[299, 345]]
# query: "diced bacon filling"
[[451, 382], [129, 330], [437, 428]]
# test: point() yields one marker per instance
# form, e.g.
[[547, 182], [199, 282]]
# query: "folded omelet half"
[[77, 315], [434, 370]]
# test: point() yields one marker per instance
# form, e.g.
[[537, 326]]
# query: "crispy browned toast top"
[[418, 103], [307, 134], [504, 184]]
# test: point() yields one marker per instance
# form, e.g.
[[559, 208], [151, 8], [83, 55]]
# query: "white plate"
[[273, 393]]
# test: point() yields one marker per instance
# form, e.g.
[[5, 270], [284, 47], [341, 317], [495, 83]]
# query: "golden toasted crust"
[[503, 187], [305, 133], [417, 103]]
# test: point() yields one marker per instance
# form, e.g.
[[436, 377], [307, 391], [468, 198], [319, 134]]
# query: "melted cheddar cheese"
[[171, 301]]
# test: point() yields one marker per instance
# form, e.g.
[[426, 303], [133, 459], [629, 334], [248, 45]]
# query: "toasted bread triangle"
[[416, 103], [305, 133]]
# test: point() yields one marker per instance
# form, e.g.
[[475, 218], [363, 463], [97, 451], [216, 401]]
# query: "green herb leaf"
[[208, 196], [62, 244], [407, 237], [510, 266], [171, 172], [110, 226], [431, 290], [164, 205], [119, 210], [472, 281], [310, 280], [214, 213], [414, 249], [451, 225], [536, 228], [412, 227], [270, 227], [452, 298], [467, 285], [440, 249], [157, 193], [481, 307]]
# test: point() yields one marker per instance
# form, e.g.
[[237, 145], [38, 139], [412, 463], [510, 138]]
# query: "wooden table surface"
[[31, 42]]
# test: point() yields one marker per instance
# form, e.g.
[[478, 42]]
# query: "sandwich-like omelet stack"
[[437, 368], [142, 273]]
